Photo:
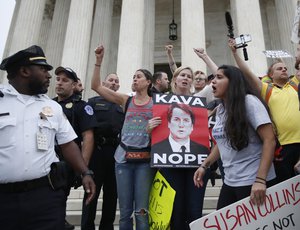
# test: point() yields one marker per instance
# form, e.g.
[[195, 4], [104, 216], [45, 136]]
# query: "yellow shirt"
[[284, 107]]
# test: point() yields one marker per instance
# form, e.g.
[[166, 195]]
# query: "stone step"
[[210, 191], [74, 216], [74, 204]]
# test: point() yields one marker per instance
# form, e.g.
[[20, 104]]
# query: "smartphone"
[[242, 39]]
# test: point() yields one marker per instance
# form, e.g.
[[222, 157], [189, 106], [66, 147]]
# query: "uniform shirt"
[[110, 117], [284, 107], [20, 122], [80, 115], [241, 167]]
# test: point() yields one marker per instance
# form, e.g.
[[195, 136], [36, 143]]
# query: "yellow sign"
[[160, 203]]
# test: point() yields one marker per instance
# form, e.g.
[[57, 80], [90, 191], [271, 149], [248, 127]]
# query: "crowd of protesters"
[[255, 139]]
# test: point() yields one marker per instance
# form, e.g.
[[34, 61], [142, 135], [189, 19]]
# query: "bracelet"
[[204, 167], [259, 182], [87, 172], [261, 179], [97, 65]]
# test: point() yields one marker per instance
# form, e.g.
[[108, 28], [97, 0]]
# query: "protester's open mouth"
[[214, 89]]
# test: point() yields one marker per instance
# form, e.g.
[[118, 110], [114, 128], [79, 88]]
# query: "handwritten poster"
[[281, 210], [160, 203]]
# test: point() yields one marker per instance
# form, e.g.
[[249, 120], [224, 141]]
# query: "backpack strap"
[[294, 85], [268, 92], [127, 104]]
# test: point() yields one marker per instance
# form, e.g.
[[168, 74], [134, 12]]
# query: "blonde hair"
[[175, 75]]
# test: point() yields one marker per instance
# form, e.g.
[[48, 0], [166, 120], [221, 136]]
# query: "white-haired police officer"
[[31, 196]]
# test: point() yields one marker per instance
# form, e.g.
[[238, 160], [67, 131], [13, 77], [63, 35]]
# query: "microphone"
[[229, 24]]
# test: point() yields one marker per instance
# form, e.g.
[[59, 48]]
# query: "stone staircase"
[[75, 198]]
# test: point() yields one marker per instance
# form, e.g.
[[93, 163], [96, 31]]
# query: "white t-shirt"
[[240, 167]]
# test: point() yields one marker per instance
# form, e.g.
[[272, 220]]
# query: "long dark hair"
[[237, 125], [148, 76]]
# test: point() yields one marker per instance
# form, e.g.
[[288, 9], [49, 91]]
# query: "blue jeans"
[[134, 182]]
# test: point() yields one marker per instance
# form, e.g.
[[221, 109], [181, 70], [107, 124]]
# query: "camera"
[[242, 40]]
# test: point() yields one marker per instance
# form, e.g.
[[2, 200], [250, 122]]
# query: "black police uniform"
[[110, 119], [82, 118], [80, 115]]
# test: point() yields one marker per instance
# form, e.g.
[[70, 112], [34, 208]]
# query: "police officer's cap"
[[68, 71], [33, 55]]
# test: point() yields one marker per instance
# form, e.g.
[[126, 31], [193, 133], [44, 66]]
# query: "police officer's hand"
[[99, 53], [89, 187]]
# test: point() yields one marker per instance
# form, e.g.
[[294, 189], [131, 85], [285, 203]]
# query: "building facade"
[[134, 33]]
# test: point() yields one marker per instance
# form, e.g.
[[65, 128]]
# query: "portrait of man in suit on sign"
[[181, 121]]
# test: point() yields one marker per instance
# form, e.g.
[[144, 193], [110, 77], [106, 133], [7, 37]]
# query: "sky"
[[6, 12]]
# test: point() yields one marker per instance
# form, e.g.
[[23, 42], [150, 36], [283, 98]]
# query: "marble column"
[[101, 34], [243, 12], [148, 56], [130, 54], [114, 42], [192, 33], [272, 20], [286, 13], [28, 24], [78, 34], [26, 27], [55, 44], [3, 74]]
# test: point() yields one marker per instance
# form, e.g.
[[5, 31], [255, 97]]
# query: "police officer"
[[79, 88], [30, 198], [79, 113], [110, 118]]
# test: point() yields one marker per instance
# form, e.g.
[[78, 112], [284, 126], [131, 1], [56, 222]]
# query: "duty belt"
[[114, 141], [24, 186]]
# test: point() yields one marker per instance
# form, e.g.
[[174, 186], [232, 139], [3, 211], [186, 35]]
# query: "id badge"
[[42, 142]]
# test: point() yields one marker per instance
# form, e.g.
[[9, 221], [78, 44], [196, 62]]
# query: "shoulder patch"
[[89, 110]]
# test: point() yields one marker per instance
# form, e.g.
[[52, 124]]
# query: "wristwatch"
[[87, 172]]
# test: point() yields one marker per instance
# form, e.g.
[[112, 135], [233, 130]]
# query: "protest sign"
[[182, 139], [160, 203], [281, 210], [277, 54]]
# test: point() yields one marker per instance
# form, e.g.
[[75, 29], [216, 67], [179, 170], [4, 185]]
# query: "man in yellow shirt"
[[282, 99]]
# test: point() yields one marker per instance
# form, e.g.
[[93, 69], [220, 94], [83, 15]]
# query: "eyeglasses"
[[200, 79]]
